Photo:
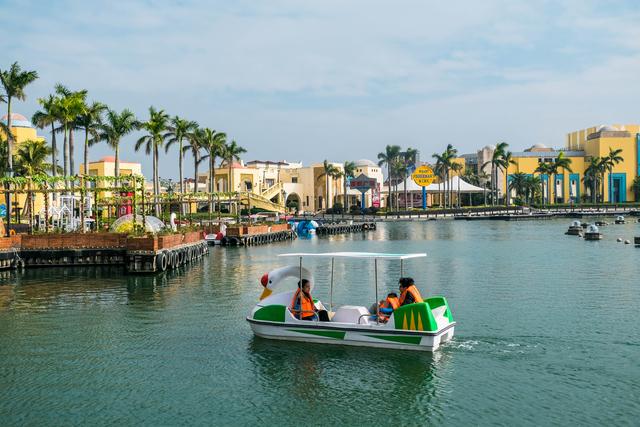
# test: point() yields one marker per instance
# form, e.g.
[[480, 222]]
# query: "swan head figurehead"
[[272, 279]]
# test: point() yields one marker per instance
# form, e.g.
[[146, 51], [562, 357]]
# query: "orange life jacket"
[[306, 305], [415, 293], [390, 302]]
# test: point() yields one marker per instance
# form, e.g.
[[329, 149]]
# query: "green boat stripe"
[[398, 338], [312, 326], [339, 335]]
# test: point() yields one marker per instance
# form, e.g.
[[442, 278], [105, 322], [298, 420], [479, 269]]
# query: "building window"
[[294, 179], [307, 204]]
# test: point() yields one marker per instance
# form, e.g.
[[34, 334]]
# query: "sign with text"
[[362, 183], [423, 176]]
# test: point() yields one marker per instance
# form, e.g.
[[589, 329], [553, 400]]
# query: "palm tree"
[[194, 146], [443, 165], [115, 127], [544, 169], [14, 80], [231, 152], [532, 186], [518, 184], [156, 127], [90, 121], [592, 176], [457, 167], [69, 106], [564, 163], [507, 160], [179, 131], [612, 159], [214, 143], [635, 186], [328, 171], [496, 163], [388, 157], [48, 117], [31, 160], [409, 158], [349, 171]]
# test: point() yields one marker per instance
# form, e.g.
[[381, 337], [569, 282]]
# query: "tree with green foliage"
[[179, 131], [408, 158], [214, 144], [48, 116], [387, 158], [507, 160], [113, 128], [564, 163], [609, 161], [348, 172], [14, 81], [329, 170], [157, 128], [195, 148], [90, 121], [230, 153]]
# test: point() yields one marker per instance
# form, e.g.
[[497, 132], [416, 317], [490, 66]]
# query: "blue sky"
[[338, 80]]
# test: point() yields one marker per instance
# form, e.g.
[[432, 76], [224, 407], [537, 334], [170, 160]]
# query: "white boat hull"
[[371, 336]]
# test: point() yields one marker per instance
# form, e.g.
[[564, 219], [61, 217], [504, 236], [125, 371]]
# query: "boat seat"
[[351, 314], [438, 315]]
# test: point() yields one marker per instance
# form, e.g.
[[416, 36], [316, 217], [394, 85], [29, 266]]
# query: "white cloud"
[[334, 79]]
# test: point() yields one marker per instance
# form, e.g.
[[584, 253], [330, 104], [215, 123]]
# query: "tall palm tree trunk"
[[71, 153], [389, 204], [195, 173], [212, 175], [65, 148], [156, 180], [10, 167], [183, 210]]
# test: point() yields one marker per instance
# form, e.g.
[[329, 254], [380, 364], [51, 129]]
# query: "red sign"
[[362, 183], [375, 199]]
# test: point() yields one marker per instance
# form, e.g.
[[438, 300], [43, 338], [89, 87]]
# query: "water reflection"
[[400, 383]]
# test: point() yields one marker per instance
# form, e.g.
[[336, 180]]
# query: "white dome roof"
[[365, 162], [607, 128], [538, 146]]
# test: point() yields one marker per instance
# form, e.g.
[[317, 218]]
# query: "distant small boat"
[[620, 219]]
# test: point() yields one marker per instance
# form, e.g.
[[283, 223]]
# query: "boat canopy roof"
[[370, 255]]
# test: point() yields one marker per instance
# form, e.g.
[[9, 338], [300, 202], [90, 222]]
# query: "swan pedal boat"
[[419, 326]]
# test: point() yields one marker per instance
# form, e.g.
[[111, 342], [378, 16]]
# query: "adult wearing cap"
[[409, 293]]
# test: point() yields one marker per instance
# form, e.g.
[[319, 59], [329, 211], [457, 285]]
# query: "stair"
[[272, 191]]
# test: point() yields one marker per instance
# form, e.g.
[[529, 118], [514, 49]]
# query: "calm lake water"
[[548, 333]]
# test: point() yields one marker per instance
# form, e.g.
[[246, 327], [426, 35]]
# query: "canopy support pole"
[[331, 288], [375, 269]]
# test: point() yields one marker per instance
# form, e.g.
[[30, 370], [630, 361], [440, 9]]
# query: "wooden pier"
[[147, 254], [343, 228]]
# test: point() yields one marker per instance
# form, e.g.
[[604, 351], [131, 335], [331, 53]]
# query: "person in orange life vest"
[[386, 307], [302, 306], [409, 293]]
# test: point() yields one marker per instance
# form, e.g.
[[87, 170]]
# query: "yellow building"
[[281, 184], [106, 166], [22, 131], [581, 146]]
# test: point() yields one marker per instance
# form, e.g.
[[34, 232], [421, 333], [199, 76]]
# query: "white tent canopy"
[[465, 187]]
